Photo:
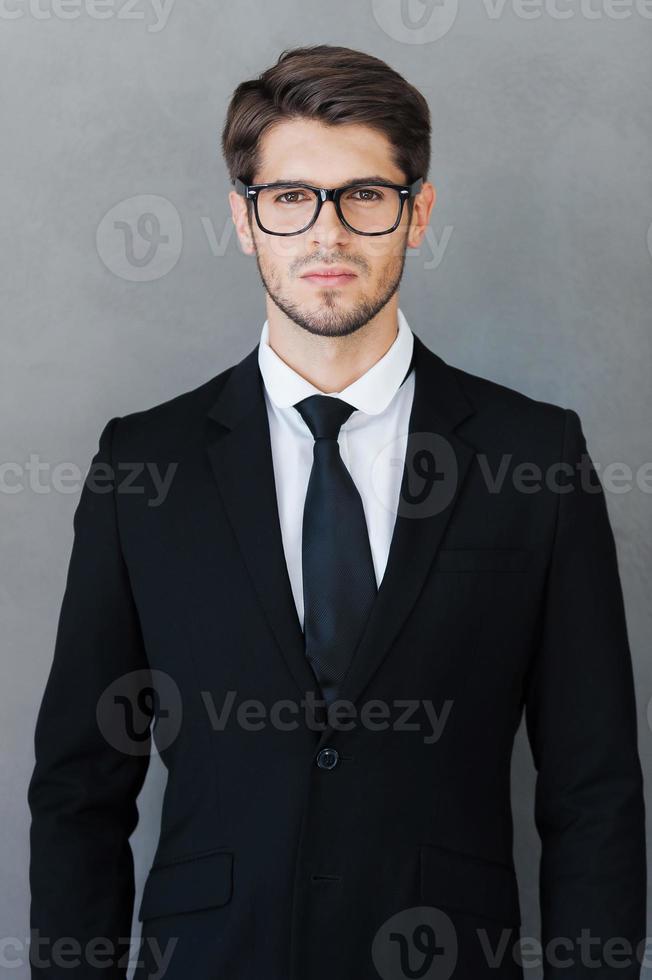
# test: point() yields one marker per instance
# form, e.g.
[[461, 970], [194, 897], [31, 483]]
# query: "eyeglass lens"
[[369, 208]]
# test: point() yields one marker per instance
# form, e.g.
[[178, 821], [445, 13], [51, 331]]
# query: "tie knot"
[[324, 414]]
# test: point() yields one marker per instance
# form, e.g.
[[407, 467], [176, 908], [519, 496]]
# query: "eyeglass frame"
[[250, 193]]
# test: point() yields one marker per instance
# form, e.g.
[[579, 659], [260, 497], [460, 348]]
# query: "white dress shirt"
[[372, 444]]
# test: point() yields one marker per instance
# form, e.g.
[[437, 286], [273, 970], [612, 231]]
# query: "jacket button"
[[328, 758]]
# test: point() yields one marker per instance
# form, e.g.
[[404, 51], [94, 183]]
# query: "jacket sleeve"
[[581, 724], [86, 778]]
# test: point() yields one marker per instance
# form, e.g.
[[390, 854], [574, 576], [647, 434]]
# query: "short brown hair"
[[333, 85]]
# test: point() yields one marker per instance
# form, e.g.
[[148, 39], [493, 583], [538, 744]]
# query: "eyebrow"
[[373, 179]]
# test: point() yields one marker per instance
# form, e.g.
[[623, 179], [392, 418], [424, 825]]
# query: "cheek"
[[384, 252], [274, 268], [282, 253]]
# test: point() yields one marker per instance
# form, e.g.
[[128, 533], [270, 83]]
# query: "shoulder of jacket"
[[177, 414], [512, 415]]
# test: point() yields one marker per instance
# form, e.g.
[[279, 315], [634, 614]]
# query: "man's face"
[[327, 156]]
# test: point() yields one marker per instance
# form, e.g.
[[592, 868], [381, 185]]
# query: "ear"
[[240, 218], [423, 205]]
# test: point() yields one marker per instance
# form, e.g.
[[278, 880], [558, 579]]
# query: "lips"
[[329, 281], [328, 272]]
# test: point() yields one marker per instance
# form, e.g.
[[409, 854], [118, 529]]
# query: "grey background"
[[541, 157]]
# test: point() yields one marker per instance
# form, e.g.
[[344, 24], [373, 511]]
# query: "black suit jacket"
[[277, 861]]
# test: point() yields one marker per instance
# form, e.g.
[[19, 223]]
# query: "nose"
[[328, 229]]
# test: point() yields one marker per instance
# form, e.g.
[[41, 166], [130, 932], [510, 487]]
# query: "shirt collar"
[[371, 392]]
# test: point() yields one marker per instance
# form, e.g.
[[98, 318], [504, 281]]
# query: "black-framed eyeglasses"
[[291, 207]]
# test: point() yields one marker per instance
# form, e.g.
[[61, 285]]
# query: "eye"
[[282, 198], [368, 191]]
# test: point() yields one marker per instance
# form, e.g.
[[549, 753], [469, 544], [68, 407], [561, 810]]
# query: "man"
[[366, 565]]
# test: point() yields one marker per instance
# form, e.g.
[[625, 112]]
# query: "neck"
[[332, 363]]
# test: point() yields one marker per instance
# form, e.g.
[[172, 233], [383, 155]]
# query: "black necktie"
[[339, 584]]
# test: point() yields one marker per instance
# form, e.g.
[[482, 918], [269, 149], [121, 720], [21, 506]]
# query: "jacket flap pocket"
[[196, 882], [482, 559], [452, 879]]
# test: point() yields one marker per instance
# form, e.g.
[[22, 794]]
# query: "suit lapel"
[[424, 509], [241, 460], [240, 455]]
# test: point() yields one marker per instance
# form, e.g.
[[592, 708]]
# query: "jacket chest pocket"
[[482, 560], [458, 881], [188, 884]]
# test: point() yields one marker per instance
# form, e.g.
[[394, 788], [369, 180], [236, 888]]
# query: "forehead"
[[326, 155]]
